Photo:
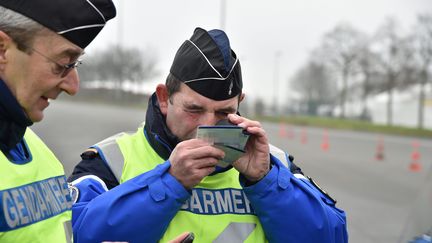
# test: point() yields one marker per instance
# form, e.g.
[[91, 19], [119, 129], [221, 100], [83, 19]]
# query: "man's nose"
[[70, 84], [209, 119]]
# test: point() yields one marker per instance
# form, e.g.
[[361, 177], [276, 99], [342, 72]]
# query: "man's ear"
[[242, 96], [163, 98], [5, 42]]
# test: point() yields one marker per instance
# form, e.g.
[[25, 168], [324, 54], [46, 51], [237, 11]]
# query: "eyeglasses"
[[61, 70]]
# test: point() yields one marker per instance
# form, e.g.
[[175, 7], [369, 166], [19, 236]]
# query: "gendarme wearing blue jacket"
[[289, 207], [148, 186]]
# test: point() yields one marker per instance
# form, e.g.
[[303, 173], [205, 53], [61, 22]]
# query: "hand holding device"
[[255, 163], [185, 237], [189, 238]]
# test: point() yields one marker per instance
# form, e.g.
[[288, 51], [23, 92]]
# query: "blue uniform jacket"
[[140, 209]]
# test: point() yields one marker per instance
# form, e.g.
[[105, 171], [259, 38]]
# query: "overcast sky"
[[257, 30]]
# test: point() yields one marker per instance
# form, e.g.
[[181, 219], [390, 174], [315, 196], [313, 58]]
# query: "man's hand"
[[255, 163], [184, 237], [192, 160]]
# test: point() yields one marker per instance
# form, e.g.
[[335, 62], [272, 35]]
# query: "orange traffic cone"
[[379, 155], [290, 132], [282, 130], [415, 165], [325, 145], [304, 136]]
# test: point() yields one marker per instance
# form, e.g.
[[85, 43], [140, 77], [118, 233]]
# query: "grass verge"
[[345, 124]]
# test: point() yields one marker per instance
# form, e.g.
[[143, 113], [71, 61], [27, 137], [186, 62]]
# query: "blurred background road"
[[377, 195]]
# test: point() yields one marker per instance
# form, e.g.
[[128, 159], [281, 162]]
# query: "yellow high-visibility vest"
[[218, 209], [35, 205]]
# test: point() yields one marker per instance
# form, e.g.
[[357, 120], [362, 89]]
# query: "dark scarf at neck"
[[158, 134], [13, 121]]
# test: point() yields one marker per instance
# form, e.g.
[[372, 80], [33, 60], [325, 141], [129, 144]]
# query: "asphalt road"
[[377, 195]]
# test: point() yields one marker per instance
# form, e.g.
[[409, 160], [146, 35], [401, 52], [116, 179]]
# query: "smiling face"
[[35, 77], [186, 110]]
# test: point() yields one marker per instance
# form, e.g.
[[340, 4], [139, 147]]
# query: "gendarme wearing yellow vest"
[[34, 197]]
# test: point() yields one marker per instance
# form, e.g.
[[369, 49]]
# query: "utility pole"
[[120, 22], [277, 56], [118, 95], [222, 14]]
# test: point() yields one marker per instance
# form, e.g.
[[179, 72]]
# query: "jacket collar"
[[13, 120], [156, 130]]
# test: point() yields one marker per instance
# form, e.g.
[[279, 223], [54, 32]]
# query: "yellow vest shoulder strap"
[[280, 155], [110, 152]]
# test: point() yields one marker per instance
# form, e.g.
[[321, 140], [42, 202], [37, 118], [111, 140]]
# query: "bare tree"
[[315, 86], [118, 64], [88, 70], [341, 46], [394, 55], [259, 107], [423, 58], [367, 70]]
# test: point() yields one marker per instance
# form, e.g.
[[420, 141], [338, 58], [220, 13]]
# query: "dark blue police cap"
[[79, 21], [208, 65]]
